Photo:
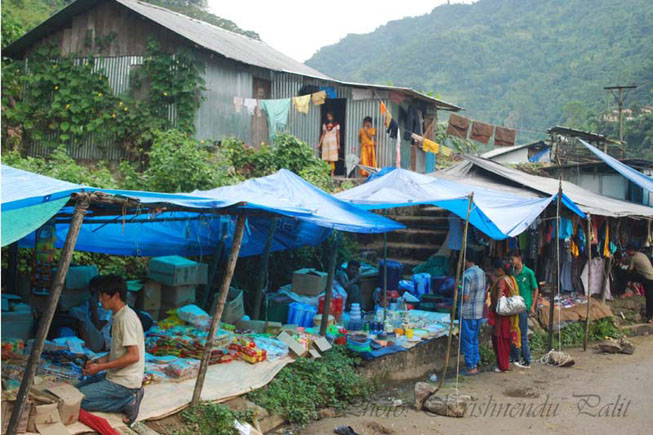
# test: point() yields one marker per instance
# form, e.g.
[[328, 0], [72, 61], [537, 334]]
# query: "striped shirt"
[[474, 287]]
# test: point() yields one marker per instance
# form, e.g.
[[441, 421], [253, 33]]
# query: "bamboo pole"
[[459, 269], [263, 271], [216, 312], [333, 257], [557, 263], [385, 275], [588, 290], [208, 288], [46, 320]]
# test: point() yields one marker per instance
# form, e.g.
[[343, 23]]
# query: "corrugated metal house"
[[235, 66]]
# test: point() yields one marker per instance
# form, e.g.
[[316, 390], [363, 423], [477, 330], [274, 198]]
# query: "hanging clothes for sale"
[[388, 119], [455, 232], [458, 126], [430, 146], [277, 113], [566, 228], [398, 149], [566, 258], [504, 137], [238, 104], [302, 104], [481, 132], [330, 92], [250, 105], [413, 122], [318, 98], [598, 278], [383, 108], [393, 129]]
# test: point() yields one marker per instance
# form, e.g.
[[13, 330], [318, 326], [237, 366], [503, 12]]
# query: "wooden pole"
[[216, 312], [459, 269], [263, 271], [46, 320], [333, 257], [385, 275], [588, 290], [12, 268], [210, 284], [555, 288]]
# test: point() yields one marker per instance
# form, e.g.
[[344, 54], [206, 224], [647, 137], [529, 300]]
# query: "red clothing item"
[[501, 348], [98, 424]]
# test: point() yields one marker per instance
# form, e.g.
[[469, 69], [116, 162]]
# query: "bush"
[[214, 418]]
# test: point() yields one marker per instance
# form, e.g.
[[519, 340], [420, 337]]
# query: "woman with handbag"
[[505, 327]]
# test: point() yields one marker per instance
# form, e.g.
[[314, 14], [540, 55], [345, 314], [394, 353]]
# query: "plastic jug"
[[422, 283]]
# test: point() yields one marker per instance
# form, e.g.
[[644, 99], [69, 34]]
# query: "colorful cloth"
[[302, 104], [368, 149], [330, 91], [277, 113], [318, 98], [430, 146], [330, 141]]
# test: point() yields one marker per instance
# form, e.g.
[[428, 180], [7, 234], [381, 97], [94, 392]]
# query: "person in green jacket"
[[528, 289]]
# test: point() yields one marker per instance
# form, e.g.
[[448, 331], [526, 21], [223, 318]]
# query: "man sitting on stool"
[[640, 270], [349, 279], [120, 388]]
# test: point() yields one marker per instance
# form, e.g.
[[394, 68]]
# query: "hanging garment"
[[445, 151], [397, 97], [504, 137], [368, 148], [565, 268], [566, 228], [351, 160], [413, 122], [388, 119], [481, 132], [430, 146], [302, 104], [250, 105], [455, 232], [606, 243], [361, 94], [277, 112], [398, 149], [595, 286], [238, 104], [458, 126], [393, 128], [330, 91], [383, 108], [331, 131], [416, 138], [577, 266], [318, 98]]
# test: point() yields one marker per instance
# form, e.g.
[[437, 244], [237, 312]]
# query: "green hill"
[[516, 62]]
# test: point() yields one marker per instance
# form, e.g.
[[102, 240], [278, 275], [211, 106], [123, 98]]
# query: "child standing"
[[330, 141], [368, 147]]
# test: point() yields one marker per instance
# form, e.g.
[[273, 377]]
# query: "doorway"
[[337, 106]]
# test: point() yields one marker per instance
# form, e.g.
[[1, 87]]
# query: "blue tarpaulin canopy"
[[497, 214], [307, 216], [642, 180]]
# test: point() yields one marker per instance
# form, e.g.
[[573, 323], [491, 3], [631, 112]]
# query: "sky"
[[299, 28]]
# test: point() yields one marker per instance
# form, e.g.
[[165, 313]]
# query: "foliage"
[[302, 388], [487, 355], [573, 334], [510, 62], [214, 418]]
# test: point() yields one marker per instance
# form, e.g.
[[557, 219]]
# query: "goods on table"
[[195, 316], [183, 368]]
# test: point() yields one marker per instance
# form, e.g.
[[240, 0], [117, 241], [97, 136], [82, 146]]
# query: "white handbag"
[[511, 306]]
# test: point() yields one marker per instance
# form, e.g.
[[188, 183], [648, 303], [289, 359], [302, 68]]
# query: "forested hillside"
[[516, 62]]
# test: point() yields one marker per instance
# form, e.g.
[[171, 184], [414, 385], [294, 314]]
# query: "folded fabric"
[[318, 98], [250, 105], [458, 126], [445, 151], [277, 113], [481, 132], [238, 103], [361, 94], [302, 104], [504, 137], [330, 91], [430, 147]]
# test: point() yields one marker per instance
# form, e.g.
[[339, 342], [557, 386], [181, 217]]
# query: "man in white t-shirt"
[[119, 387]]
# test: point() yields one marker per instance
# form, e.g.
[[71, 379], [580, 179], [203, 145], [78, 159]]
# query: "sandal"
[[131, 410]]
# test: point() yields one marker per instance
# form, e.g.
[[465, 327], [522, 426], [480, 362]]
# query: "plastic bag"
[[511, 306], [195, 316]]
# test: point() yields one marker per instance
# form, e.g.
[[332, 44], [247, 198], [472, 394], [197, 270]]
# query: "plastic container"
[[335, 308], [301, 314], [278, 307], [394, 274], [422, 283]]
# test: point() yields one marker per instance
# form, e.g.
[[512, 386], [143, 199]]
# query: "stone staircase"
[[426, 230]]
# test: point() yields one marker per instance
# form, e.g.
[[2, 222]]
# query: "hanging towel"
[[398, 148], [458, 126], [481, 132], [504, 137], [361, 94], [318, 98], [397, 97], [277, 112], [302, 104], [430, 147], [238, 103], [330, 91], [446, 151], [250, 105]]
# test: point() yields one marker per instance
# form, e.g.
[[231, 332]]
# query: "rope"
[[547, 359]]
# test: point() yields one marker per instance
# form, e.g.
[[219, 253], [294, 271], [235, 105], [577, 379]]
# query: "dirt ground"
[[601, 393]]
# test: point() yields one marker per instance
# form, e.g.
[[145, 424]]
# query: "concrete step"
[[424, 222], [427, 236], [408, 265], [429, 210], [406, 251]]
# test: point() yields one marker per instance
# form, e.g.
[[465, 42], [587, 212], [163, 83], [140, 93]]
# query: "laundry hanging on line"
[[302, 104], [250, 105], [277, 113], [330, 91], [481, 132], [238, 103], [504, 137], [458, 126], [319, 98]]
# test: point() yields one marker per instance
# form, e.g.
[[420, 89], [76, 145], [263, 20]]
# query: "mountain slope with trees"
[[511, 62]]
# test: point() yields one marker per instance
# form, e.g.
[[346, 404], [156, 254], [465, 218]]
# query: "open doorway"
[[337, 106]]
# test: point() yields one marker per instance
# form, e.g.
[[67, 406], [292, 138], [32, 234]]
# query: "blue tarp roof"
[[642, 180], [308, 216], [497, 214]]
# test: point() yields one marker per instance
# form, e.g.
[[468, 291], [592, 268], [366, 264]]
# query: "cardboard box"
[[322, 344], [7, 408], [177, 296], [149, 298], [309, 282], [203, 273], [292, 344], [174, 270], [234, 308], [69, 400], [47, 420]]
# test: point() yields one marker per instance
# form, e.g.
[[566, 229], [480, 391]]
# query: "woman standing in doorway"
[[330, 141]]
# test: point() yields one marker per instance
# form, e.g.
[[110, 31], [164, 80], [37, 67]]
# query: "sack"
[[511, 306]]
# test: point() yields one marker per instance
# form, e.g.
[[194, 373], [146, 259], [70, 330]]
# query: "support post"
[[263, 270], [385, 274], [459, 269], [588, 290], [216, 312], [333, 257], [208, 288], [46, 320], [556, 287], [12, 267]]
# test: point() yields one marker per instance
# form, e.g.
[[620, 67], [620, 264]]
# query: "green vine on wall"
[[65, 100]]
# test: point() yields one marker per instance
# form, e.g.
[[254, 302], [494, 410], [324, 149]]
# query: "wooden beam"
[[48, 315], [263, 270], [216, 312], [333, 254]]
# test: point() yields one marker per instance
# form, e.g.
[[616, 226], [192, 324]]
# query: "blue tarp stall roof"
[[497, 214], [196, 230], [642, 180]]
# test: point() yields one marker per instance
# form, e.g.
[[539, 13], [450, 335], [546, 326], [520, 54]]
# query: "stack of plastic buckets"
[[301, 314]]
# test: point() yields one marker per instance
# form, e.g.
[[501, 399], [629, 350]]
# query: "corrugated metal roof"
[[499, 151]]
